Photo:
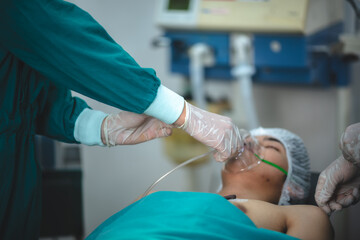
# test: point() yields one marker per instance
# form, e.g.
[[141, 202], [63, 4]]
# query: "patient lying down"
[[266, 184], [256, 213]]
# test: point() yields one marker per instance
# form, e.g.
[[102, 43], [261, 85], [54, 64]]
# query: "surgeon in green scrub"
[[49, 47]]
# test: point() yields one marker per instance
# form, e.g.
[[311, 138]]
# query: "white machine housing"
[[275, 16]]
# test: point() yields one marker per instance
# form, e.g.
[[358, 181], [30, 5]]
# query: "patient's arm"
[[307, 222], [301, 221]]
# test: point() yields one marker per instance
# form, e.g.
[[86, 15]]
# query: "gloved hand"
[[338, 186], [350, 143], [127, 128], [346, 195], [213, 130]]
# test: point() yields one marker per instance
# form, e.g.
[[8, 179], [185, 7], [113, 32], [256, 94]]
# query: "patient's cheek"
[[272, 178], [265, 178]]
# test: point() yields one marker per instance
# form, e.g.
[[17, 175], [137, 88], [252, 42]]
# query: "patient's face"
[[263, 182]]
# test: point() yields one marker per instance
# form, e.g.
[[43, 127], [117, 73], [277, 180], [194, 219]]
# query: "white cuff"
[[167, 105], [87, 128]]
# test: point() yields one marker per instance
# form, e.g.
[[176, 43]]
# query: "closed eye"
[[269, 146], [270, 142]]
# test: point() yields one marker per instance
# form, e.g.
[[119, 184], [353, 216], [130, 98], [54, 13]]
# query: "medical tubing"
[[243, 71], [355, 7], [175, 168], [198, 54], [272, 164], [246, 89]]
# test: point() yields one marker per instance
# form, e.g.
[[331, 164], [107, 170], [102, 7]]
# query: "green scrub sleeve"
[[65, 44], [59, 113]]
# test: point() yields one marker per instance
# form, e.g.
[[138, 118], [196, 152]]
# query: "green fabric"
[[30, 104], [182, 215], [67, 45], [46, 48]]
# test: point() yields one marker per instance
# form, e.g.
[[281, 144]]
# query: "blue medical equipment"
[[293, 41]]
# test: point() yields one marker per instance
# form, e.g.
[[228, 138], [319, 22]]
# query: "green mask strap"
[[271, 164]]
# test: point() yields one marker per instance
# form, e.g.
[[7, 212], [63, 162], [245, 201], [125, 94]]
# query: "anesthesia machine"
[[263, 41]]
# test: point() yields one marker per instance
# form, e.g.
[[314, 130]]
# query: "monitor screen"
[[179, 5]]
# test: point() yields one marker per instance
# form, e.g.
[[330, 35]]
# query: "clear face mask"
[[246, 158], [249, 157]]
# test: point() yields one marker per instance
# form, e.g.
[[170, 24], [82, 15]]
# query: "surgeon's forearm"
[[181, 120], [64, 43]]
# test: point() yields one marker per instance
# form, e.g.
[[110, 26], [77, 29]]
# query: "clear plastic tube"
[[172, 170]]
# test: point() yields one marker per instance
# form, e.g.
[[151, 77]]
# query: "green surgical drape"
[[182, 215]]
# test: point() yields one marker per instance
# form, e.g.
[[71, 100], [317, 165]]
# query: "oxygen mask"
[[251, 155], [248, 157]]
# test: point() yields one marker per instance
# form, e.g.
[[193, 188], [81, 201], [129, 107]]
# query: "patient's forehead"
[[268, 138], [271, 138]]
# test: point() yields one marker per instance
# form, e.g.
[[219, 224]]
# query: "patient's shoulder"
[[308, 213], [310, 218], [301, 221]]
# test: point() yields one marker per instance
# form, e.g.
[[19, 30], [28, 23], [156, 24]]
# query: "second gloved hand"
[[350, 144], [127, 128], [346, 195], [213, 130], [338, 186]]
